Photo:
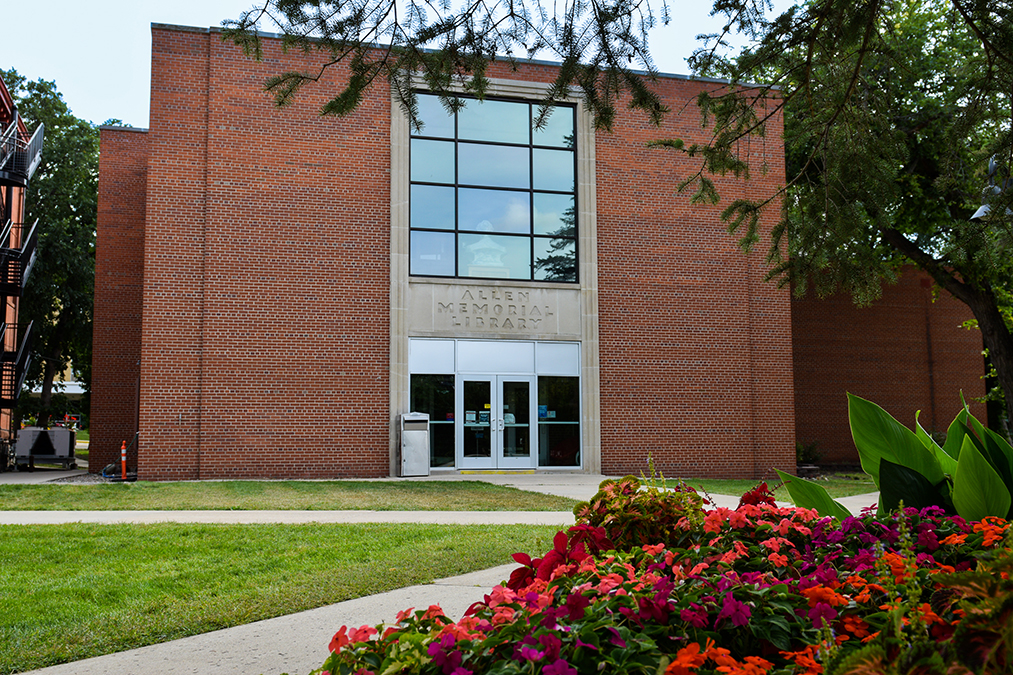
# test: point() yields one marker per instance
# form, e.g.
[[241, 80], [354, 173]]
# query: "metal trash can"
[[415, 444]]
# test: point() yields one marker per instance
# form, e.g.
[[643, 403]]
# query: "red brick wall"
[[265, 342], [695, 346], [119, 278], [904, 353]]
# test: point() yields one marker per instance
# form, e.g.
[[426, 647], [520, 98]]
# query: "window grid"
[[531, 191]]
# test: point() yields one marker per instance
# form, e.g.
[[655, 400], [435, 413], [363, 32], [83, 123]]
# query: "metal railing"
[[18, 157], [14, 366], [16, 262]]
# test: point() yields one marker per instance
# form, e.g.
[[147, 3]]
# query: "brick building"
[[274, 289], [20, 156]]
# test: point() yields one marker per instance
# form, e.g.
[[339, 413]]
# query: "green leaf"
[[900, 483], [878, 436], [978, 491], [946, 462], [994, 453], [955, 434], [809, 495]]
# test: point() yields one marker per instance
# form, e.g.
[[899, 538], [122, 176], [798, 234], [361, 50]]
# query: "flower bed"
[[649, 581]]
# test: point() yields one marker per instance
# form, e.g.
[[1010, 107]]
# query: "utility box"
[[53, 446], [415, 444]]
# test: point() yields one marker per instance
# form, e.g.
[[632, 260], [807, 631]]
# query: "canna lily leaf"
[[946, 462], [879, 436], [978, 491], [955, 434], [993, 452], [809, 495], [899, 483]]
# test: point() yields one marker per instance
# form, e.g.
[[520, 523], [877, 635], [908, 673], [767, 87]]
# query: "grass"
[[283, 495], [74, 591], [838, 485]]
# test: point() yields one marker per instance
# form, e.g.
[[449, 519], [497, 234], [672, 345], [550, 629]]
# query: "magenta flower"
[[822, 612], [737, 611], [529, 653], [695, 616], [559, 667]]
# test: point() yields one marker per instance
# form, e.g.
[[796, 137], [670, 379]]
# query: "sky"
[[99, 52]]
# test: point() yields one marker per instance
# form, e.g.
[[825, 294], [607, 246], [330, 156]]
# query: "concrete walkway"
[[297, 643]]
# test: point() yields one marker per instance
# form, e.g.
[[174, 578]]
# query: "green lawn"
[[69, 592], [258, 495], [838, 485]]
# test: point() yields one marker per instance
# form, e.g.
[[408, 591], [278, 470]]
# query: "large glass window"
[[491, 197], [558, 421], [434, 394]]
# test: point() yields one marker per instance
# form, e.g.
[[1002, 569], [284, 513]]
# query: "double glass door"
[[498, 420]]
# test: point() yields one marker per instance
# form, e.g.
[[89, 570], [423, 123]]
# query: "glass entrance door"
[[497, 418]]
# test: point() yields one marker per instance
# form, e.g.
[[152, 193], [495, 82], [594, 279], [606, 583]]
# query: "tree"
[[892, 108], [63, 196]]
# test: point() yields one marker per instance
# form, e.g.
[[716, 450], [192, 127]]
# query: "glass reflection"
[[432, 207], [555, 259], [497, 121], [432, 161], [494, 256], [432, 254], [434, 117], [558, 129], [554, 214], [553, 169], [494, 211], [494, 165]]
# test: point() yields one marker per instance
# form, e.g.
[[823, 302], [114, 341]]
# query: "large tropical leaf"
[[901, 484], [992, 451], [879, 436], [978, 491], [955, 434], [946, 462], [809, 495]]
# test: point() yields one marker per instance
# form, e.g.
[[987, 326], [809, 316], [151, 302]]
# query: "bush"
[[759, 589]]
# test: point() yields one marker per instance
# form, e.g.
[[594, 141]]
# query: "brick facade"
[[905, 352], [264, 338], [119, 279]]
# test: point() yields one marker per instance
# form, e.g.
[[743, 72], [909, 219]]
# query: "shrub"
[[759, 589]]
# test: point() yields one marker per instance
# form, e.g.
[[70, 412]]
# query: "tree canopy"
[[893, 111], [63, 196]]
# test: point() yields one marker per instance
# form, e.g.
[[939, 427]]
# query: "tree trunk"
[[46, 395], [999, 342]]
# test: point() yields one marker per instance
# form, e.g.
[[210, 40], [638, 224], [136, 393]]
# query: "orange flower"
[[993, 528], [954, 539], [900, 568], [818, 594], [777, 560], [688, 657], [856, 626], [805, 658]]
